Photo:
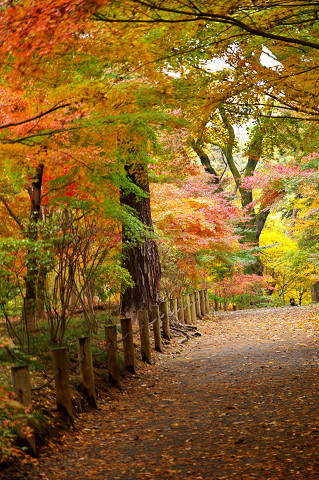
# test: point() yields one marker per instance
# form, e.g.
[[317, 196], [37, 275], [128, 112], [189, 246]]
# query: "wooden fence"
[[186, 308]]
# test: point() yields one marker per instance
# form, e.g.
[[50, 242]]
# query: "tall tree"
[[140, 255], [114, 109]]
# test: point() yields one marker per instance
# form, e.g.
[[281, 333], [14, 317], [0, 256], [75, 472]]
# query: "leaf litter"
[[239, 402]]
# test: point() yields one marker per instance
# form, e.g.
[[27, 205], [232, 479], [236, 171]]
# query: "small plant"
[[10, 411]]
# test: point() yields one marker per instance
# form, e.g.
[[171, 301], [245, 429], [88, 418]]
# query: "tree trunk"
[[29, 304], [141, 259], [40, 295], [205, 161], [252, 229]]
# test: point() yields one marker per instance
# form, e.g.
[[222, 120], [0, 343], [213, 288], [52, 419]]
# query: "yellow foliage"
[[289, 267]]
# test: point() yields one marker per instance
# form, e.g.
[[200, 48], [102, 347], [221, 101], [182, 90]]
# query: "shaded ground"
[[240, 402]]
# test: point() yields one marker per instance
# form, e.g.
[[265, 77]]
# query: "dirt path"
[[240, 402]]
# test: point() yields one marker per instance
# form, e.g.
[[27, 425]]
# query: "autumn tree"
[[156, 33], [113, 109], [195, 223]]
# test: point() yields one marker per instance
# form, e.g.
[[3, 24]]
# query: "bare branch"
[[194, 16], [53, 109], [11, 213], [35, 135], [292, 118]]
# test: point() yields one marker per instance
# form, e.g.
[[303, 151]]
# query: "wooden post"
[[165, 320], [215, 304], [315, 292], [22, 389], [112, 356], [142, 316], [157, 328], [187, 309], [207, 301], [202, 302], [173, 306], [198, 310], [128, 344], [180, 309], [62, 385], [193, 307], [86, 369]]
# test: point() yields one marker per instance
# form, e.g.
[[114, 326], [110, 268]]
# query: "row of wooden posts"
[[186, 308]]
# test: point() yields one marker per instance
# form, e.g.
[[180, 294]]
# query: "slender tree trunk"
[[252, 229], [29, 304], [141, 259], [205, 161], [40, 300]]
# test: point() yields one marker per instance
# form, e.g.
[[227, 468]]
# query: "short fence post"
[[216, 304], [187, 310], [198, 310], [202, 302], [86, 369], [174, 306], [180, 309], [142, 316], [206, 301], [22, 389], [165, 320], [128, 344], [112, 356], [193, 307], [62, 385], [156, 328], [315, 292]]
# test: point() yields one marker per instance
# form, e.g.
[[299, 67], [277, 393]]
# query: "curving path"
[[239, 402]]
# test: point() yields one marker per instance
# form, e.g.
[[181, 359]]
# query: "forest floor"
[[239, 402]]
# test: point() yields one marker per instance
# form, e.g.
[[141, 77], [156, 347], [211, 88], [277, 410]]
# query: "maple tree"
[[285, 250], [196, 223], [57, 183], [284, 85], [16, 116], [126, 155], [238, 34], [221, 107], [243, 17], [83, 28]]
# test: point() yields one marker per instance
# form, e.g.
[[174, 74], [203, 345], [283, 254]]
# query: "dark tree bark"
[[29, 304], [252, 228], [205, 161], [40, 300], [141, 259]]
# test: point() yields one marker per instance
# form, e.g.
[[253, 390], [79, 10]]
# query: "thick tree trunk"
[[141, 259]]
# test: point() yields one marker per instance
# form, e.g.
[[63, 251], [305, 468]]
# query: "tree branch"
[[11, 213], [193, 16], [28, 137], [291, 118], [36, 117]]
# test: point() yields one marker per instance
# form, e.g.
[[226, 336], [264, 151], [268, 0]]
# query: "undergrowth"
[[35, 353]]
